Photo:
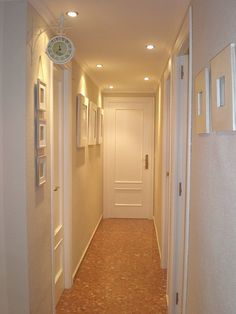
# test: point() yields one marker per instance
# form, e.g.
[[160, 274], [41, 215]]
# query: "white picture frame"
[[41, 170], [202, 101], [41, 133], [92, 134], [41, 94], [100, 118], [82, 104], [223, 90]]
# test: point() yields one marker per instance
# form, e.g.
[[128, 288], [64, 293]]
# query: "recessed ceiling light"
[[150, 46], [146, 78], [72, 13], [111, 86], [99, 66]]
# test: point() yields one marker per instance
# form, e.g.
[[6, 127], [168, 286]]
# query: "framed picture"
[[92, 124], [41, 170], [41, 134], [202, 102], [82, 120], [223, 90], [100, 116], [41, 96]]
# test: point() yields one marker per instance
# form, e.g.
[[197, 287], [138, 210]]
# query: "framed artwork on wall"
[[41, 134], [81, 120], [202, 102], [100, 117], [41, 96], [223, 90], [41, 170], [92, 123]]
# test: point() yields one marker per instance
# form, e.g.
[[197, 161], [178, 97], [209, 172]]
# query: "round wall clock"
[[60, 49]]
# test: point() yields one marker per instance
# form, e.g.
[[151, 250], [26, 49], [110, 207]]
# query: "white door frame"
[[66, 138], [184, 41], [166, 167]]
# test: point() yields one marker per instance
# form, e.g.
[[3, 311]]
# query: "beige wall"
[[87, 174], [38, 198], [212, 250], [14, 158], [3, 286], [158, 163]]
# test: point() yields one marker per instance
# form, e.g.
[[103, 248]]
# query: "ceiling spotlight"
[[146, 78], [150, 46], [99, 66], [72, 13], [111, 86]]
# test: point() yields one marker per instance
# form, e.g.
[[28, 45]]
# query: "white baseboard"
[[85, 250], [167, 300], [158, 244]]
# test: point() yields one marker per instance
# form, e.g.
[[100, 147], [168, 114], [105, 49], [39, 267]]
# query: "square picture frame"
[[41, 133], [82, 104], [100, 118], [202, 101], [223, 90], [41, 170], [41, 103], [92, 136]]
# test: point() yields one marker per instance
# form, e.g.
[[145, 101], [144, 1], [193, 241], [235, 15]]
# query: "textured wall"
[[3, 290], [212, 251], [39, 198], [87, 174], [14, 147]]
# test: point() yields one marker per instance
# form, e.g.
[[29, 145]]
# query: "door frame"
[[184, 41], [166, 167], [65, 164], [108, 99]]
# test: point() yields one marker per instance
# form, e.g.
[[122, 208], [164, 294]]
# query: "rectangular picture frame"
[[41, 133], [82, 104], [92, 136], [202, 101], [100, 118], [41, 170], [41, 93]]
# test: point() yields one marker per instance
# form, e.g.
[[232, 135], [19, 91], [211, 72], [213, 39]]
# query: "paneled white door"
[[128, 157], [57, 182]]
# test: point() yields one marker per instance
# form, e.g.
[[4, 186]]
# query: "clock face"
[[60, 49]]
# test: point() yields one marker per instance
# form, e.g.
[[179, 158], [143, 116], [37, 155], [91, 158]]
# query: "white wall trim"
[[157, 237], [86, 249]]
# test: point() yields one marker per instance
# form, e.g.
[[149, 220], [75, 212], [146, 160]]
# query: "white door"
[[128, 157], [179, 136], [57, 183]]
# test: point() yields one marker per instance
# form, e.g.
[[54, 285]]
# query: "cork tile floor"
[[120, 274]]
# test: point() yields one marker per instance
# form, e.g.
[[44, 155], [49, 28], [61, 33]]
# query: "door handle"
[[146, 161], [56, 188]]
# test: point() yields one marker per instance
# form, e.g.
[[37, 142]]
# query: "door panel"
[[57, 187], [128, 137]]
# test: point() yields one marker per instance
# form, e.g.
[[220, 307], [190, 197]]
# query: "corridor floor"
[[120, 273]]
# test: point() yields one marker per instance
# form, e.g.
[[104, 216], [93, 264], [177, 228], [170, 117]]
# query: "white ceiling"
[[114, 33]]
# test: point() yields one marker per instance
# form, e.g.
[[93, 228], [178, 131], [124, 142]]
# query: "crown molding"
[[43, 10]]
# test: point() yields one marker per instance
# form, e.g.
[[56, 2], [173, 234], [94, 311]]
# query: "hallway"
[[120, 273]]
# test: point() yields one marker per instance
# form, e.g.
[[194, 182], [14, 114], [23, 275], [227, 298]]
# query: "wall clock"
[[60, 49]]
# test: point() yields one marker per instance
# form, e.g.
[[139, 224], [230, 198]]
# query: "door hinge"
[[180, 188], [177, 298], [182, 72]]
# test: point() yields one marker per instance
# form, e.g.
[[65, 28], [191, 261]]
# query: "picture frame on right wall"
[[223, 90], [202, 101]]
